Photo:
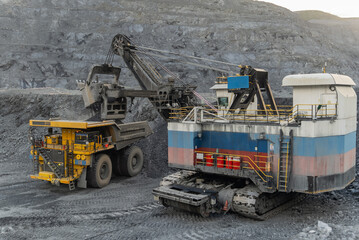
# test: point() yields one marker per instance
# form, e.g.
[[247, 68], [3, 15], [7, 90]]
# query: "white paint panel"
[[184, 127], [316, 79], [347, 102]]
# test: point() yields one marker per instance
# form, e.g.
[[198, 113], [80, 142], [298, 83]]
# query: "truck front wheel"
[[100, 172]]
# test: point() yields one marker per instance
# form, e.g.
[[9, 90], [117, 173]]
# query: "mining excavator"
[[244, 153]]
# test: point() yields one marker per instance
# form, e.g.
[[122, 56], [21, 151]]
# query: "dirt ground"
[[125, 209]]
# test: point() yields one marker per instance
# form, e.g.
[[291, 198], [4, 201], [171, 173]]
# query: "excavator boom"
[[110, 99]]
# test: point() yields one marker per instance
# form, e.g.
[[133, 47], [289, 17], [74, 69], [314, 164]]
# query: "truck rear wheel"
[[132, 161], [101, 171], [116, 162]]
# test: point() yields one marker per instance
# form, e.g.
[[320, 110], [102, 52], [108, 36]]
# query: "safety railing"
[[284, 114], [261, 166]]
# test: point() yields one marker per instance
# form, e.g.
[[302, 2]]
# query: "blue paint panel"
[[181, 139], [323, 146], [221, 140], [274, 139], [238, 82], [303, 146], [230, 141], [350, 141], [262, 145]]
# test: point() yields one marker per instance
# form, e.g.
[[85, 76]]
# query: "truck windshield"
[[87, 137], [81, 138]]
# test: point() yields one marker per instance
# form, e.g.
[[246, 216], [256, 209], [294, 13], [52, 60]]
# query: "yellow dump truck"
[[85, 152]]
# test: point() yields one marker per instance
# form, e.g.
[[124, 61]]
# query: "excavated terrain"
[[46, 45]]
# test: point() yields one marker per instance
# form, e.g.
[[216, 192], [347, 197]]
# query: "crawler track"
[[250, 202], [247, 201]]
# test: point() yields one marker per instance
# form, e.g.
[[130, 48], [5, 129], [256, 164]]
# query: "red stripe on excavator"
[[180, 156], [323, 165]]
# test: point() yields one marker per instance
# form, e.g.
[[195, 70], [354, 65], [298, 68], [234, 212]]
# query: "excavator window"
[[223, 101]]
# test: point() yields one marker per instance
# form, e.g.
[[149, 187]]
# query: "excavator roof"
[[316, 79], [70, 124]]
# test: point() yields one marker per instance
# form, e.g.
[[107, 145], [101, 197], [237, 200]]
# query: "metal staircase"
[[70, 169], [284, 161], [36, 164], [49, 162], [263, 178]]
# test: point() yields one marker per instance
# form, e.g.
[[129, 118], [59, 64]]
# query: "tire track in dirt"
[[116, 214], [13, 224], [14, 186]]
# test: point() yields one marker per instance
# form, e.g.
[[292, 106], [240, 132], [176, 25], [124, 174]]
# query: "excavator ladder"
[[285, 161]]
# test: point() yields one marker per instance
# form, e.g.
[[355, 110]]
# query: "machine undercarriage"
[[210, 194]]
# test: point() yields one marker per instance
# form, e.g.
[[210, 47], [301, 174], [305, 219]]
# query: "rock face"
[[53, 43]]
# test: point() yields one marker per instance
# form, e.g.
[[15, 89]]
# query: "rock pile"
[[321, 231]]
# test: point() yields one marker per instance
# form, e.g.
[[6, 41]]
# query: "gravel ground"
[[125, 209]]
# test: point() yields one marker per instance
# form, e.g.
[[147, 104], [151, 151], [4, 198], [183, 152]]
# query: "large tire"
[[116, 162], [132, 161], [101, 171]]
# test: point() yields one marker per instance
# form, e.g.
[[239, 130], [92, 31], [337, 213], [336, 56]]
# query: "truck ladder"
[[35, 160], [49, 162], [72, 185], [284, 161], [70, 169], [70, 164]]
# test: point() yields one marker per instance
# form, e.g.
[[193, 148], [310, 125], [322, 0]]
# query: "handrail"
[[298, 111], [236, 155]]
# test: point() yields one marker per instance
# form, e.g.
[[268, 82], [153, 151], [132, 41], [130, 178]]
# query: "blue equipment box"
[[238, 82]]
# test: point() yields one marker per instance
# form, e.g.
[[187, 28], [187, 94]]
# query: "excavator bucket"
[[91, 93]]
